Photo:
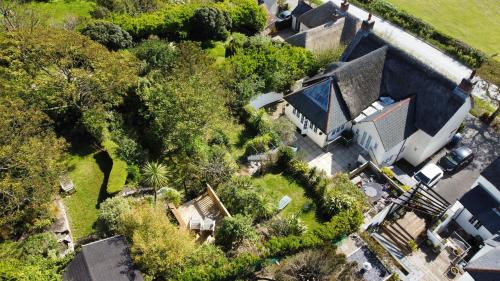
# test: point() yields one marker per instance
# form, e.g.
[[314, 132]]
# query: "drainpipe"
[[400, 150]]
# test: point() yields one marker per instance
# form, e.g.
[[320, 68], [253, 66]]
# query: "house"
[[396, 106], [324, 27], [478, 210], [104, 260], [485, 264]]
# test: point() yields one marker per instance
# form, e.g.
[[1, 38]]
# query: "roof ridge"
[[396, 105]]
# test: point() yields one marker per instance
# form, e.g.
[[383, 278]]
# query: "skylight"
[[319, 94]]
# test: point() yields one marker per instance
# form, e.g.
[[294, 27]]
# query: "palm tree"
[[155, 175]]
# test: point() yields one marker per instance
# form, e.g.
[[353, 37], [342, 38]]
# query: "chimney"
[[466, 83], [344, 6], [367, 24]]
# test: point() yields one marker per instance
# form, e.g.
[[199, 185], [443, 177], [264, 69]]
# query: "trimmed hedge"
[[458, 49]]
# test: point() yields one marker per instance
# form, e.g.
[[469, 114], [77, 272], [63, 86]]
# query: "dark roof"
[[331, 99], [103, 260], [492, 173], [394, 123], [481, 205], [319, 15], [403, 76], [301, 8]]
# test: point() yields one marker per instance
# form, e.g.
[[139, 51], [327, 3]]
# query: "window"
[[368, 141], [477, 225], [311, 125], [315, 129], [363, 139], [375, 145], [472, 220], [294, 111], [475, 222], [302, 119]]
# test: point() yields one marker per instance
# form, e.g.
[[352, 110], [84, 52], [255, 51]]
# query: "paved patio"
[[338, 158]]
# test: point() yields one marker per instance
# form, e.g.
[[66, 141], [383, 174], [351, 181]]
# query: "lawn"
[[475, 22], [89, 170], [218, 51], [57, 11], [276, 186]]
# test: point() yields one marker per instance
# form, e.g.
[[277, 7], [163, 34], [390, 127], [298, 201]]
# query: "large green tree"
[[67, 75], [30, 163]]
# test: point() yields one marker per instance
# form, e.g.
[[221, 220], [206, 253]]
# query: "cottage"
[[107, 259], [396, 106], [324, 27]]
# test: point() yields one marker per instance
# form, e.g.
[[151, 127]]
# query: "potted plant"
[[457, 251], [454, 270]]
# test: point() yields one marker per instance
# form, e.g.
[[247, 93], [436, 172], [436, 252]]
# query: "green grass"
[[475, 22], [218, 51], [89, 171], [57, 11], [238, 134], [118, 174], [276, 186]]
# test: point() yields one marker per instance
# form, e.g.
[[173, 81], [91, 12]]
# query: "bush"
[[233, 231], [156, 54], [412, 245], [284, 226], [171, 195], [133, 174], [259, 144], [210, 23], [341, 195], [388, 172], [285, 155], [246, 15], [108, 220], [219, 138], [108, 34]]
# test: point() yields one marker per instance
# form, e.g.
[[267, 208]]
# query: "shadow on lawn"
[[105, 164]]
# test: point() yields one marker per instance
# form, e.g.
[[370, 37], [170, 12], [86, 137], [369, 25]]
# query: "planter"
[[454, 270]]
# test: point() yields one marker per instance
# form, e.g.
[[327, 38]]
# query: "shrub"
[[284, 226], [219, 138], [388, 172], [341, 195], [108, 34], [259, 144], [156, 54], [210, 23], [133, 173], [171, 195], [108, 220], [233, 231], [246, 15], [412, 245], [285, 155]]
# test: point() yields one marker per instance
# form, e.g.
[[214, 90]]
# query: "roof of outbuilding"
[[481, 205], [106, 259], [319, 15], [394, 123], [492, 173], [301, 8], [405, 76]]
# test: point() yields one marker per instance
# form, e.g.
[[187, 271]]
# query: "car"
[[456, 159], [429, 175], [285, 15]]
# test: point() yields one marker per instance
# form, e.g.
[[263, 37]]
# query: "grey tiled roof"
[[404, 76], [103, 260], [486, 267], [394, 123], [492, 173], [301, 8]]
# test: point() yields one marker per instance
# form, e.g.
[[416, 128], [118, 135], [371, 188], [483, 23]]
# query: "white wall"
[[422, 146], [462, 218], [488, 186], [319, 137], [303, 27], [375, 148]]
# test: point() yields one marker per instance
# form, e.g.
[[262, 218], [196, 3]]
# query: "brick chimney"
[[344, 6], [466, 83], [368, 24]]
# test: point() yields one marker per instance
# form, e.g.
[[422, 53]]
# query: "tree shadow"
[[105, 165]]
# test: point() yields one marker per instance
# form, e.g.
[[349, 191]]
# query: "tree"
[[75, 80], [321, 264], [233, 231], [108, 34], [156, 54], [158, 247], [285, 130], [155, 175], [30, 164], [107, 223], [284, 226], [219, 166], [210, 23], [241, 197]]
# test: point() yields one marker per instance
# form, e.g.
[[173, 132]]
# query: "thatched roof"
[[319, 15], [394, 123], [320, 38], [404, 76]]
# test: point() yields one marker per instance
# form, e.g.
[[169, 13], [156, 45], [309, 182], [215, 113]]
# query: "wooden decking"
[[399, 232]]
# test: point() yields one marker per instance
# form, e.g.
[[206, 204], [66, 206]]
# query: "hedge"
[[458, 49]]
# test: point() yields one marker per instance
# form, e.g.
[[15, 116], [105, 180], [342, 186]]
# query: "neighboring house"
[[396, 106], [103, 260], [322, 28], [485, 264], [478, 211]]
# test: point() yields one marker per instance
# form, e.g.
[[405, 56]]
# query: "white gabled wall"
[[317, 137], [462, 218], [488, 186], [422, 146]]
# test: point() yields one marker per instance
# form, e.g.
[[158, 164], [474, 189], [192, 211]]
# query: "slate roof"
[[103, 260], [480, 204], [486, 267], [319, 15], [301, 8], [403, 76], [394, 123], [492, 173]]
